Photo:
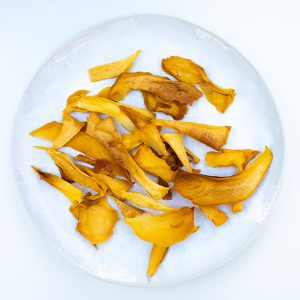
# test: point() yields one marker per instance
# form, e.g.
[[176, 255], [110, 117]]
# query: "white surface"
[[124, 257], [267, 34]]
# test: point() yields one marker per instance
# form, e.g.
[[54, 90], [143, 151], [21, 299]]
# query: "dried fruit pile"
[[110, 163]]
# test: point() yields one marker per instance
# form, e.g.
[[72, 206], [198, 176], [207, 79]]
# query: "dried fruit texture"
[[212, 136], [166, 229], [172, 108], [71, 192], [64, 163], [97, 220], [186, 70], [70, 127], [72, 99], [211, 190], [113, 69], [157, 255], [229, 157], [152, 164], [176, 143], [172, 159], [104, 93], [149, 135], [121, 155], [126, 209], [157, 85], [139, 118], [167, 196], [212, 212], [193, 157], [82, 143]]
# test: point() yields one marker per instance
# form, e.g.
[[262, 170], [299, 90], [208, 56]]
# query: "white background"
[[265, 32]]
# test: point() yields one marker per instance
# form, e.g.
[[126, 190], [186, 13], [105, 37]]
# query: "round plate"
[[253, 117]]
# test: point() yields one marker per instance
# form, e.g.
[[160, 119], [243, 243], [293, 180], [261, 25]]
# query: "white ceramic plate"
[[253, 116]]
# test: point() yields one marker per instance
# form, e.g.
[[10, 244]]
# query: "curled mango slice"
[[113, 69], [70, 127], [149, 135], [157, 85], [152, 164], [229, 157], [186, 70], [157, 255], [212, 136], [211, 190], [121, 155], [214, 214], [71, 192], [72, 99], [166, 229], [172, 108], [139, 118], [176, 143], [96, 220]]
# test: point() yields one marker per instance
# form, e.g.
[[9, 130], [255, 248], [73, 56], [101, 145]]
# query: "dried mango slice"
[[97, 220], [85, 159], [82, 143], [70, 127], [212, 136], [157, 255], [104, 93], [113, 69], [140, 119], [172, 108], [157, 85], [176, 143], [166, 229], [191, 155], [186, 70], [229, 157], [72, 99], [64, 162], [167, 196], [152, 164], [211, 190], [126, 209], [149, 135], [71, 192], [214, 214]]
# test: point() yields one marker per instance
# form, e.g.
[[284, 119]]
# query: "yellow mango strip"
[[176, 143], [97, 220], [166, 229], [64, 163], [230, 157], [72, 99], [158, 85], [212, 212], [172, 108], [113, 69], [193, 156], [82, 143], [121, 155], [152, 164], [157, 255], [149, 135], [140, 119], [211, 190], [186, 70], [71, 192], [104, 93], [212, 136], [70, 127]]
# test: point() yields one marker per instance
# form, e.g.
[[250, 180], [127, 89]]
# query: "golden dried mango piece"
[[186, 70], [85, 159], [157, 85], [140, 119], [72, 99], [149, 135], [113, 69], [212, 136], [71, 192], [166, 229], [104, 93], [167, 196], [121, 155], [97, 220], [229, 157], [157, 255], [126, 209], [176, 143], [214, 214], [152, 164], [64, 162], [211, 190], [172, 108], [191, 155], [70, 127], [47, 132]]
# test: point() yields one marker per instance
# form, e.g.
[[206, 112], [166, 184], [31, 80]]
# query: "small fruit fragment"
[[156, 257]]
